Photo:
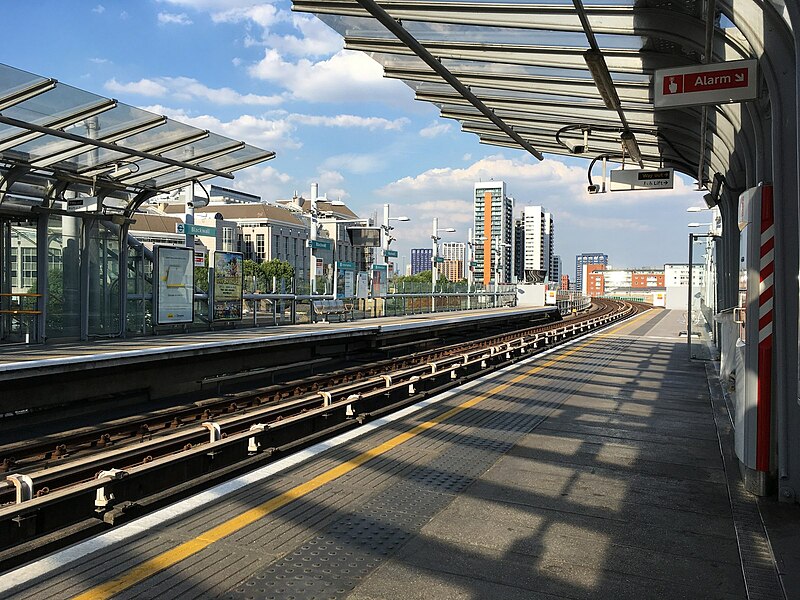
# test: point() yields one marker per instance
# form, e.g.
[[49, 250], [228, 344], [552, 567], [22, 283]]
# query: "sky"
[[281, 81]]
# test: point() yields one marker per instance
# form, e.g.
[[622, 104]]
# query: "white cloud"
[[173, 19], [143, 87], [359, 164], [344, 76], [124, 15], [265, 15], [269, 134], [466, 157], [99, 9], [187, 89], [316, 39], [99, 61], [370, 123], [262, 180], [435, 129]]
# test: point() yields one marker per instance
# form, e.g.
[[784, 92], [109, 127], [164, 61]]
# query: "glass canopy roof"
[[65, 134], [516, 73]]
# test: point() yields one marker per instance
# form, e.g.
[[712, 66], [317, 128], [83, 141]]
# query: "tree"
[[279, 269]]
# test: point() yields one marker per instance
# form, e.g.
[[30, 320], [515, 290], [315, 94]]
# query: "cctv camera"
[[593, 189], [579, 149]]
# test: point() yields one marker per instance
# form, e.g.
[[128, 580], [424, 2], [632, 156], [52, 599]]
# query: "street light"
[[694, 209], [700, 224], [386, 228], [434, 275]]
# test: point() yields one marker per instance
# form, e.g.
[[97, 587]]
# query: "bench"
[[326, 308]]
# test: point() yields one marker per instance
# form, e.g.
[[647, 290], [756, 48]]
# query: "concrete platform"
[[594, 471]]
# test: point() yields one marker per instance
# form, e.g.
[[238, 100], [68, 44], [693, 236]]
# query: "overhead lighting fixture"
[[602, 78], [631, 146], [712, 199]]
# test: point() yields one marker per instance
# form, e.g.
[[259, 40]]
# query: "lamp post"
[[386, 228], [434, 274]]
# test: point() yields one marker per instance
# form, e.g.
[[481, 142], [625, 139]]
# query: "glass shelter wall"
[[19, 291]]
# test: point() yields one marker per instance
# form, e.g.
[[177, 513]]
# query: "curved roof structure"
[[63, 138], [551, 75]]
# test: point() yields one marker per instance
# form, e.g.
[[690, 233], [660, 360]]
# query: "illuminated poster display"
[[228, 286], [380, 280], [362, 285], [174, 292]]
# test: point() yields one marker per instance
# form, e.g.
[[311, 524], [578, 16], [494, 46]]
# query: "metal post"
[[689, 304], [435, 239], [470, 274], [42, 273], [335, 262], [384, 236]]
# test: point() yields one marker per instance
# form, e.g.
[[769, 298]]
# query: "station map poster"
[[349, 284], [380, 281], [175, 290], [228, 286]]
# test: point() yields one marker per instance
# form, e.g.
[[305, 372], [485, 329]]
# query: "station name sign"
[[190, 229], [715, 83], [641, 179]]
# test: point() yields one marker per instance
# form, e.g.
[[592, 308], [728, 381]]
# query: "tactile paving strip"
[[330, 565]]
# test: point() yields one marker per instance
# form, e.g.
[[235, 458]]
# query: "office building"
[[493, 227], [555, 269], [421, 260], [533, 246], [587, 258], [454, 254]]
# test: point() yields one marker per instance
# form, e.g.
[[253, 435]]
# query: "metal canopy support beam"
[[55, 152], [160, 170], [395, 28], [556, 86], [156, 147], [59, 122], [26, 93], [556, 57], [99, 144]]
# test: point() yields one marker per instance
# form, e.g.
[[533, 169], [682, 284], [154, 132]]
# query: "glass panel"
[[103, 265], [702, 292], [19, 303], [140, 289], [64, 291]]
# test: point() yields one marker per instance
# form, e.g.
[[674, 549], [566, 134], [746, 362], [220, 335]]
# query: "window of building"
[[260, 249]]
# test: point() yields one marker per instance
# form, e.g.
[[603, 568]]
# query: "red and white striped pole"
[[766, 292]]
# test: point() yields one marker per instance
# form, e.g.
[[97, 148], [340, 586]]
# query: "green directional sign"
[[390, 254], [439, 259], [473, 263], [320, 244], [344, 265], [191, 229]]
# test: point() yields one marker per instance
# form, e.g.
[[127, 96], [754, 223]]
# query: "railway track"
[[105, 474]]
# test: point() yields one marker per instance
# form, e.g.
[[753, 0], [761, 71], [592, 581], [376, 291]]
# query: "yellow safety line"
[[183, 551]]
